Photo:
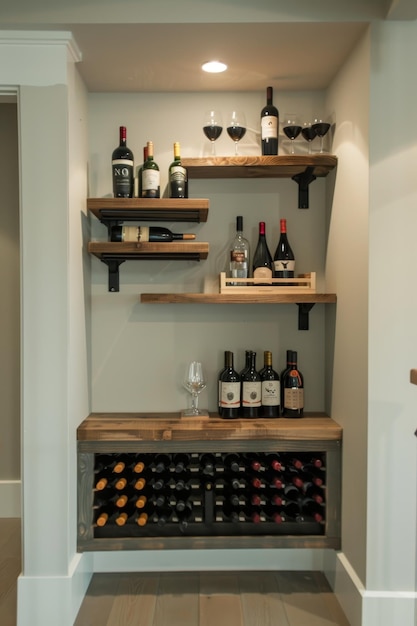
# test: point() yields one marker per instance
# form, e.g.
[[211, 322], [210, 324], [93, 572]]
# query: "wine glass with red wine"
[[322, 128], [292, 128], [236, 127], [309, 133], [212, 127]]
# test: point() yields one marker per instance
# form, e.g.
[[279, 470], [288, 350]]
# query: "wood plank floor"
[[210, 599], [10, 568]]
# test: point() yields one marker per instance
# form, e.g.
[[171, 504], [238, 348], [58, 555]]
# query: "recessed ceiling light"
[[214, 67]]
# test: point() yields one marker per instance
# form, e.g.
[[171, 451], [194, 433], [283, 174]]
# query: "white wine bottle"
[[177, 176], [151, 185]]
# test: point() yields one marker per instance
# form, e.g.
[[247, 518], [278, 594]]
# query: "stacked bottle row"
[[264, 393], [207, 493], [149, 185]]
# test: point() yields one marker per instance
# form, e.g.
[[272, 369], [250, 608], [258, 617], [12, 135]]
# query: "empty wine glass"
[[291, 127], [321, 127], [308, 132], [194, 382], [212, 127], [236, 127]]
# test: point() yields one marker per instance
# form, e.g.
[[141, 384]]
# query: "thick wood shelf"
[[189, 250], [169, 428], [285, 166], [226, 298], [156, 210]]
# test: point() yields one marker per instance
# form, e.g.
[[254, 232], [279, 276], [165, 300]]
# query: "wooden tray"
[[304, 283]]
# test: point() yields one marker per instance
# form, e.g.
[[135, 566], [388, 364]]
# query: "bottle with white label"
[[151, 185], [229, 389], [270, 388], [177, 176], [284, 260], [293, 389], [251, 390]]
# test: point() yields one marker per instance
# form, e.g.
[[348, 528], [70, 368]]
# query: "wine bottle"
[[162, 463], [270, 388], [104, 515], [293, 384], [229, 390], [181, 462], [239, 253], [140, 170], [269, 125], [142, 519], [208, 464], [247, 363], [177, 176], [275, 461], [122, 168], [219, 395], [251, 390], [284, 260], [283, 372], [262, 263], [150, 176], [146, 233], [232, 462]]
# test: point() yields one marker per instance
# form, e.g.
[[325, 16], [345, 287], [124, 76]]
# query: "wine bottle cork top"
[[189, 236]]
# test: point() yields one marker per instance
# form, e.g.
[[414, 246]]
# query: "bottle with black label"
[[123, 168], [269, 125], [151, 185], [284, 260], [270, 388], [177, 176], [229, 389], [293, 386], [251, 390]]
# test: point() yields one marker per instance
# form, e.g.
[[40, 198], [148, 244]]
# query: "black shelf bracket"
[[303, 180], [113, 265], [304, 309]]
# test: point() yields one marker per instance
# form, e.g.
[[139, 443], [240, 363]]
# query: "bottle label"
[[135, 233], [270, 392], [251, 393], [269, 126], [122, 176], [229, 395], [294, 398], [262, 275], [284, 266], [178, 173], [150, 179]]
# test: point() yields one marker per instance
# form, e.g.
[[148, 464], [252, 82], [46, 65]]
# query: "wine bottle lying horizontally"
[[147, 233]]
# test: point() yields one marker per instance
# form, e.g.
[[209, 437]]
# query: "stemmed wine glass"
[[321, 127], [194, 382], [236, 127], [212, 127], [292, 128], [309, 133]]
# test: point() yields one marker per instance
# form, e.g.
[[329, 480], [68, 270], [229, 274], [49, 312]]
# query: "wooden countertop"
[[125, 427]]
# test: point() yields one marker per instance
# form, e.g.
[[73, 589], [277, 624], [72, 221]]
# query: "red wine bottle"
[[270, 388], [293, 384], [150, 176], [269, 125], [177, 176], [284, 260], [251, 390], [122, 168], [146, 233], [229, 390], [262, 263], [283, 373]]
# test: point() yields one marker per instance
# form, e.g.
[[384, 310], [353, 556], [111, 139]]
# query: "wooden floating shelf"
[[230, 298], [188, 250], [156, 210], [285, 166]]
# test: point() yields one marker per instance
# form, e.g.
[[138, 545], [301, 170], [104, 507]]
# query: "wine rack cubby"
[[175, 490]]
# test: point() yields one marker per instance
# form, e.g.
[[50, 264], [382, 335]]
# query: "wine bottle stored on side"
[[229, 390], [151, 185], [251, 390], [284, 260], [177, 176], [147, 233], [270, 388], [262, 263], [269, 125], [123, 168], [293, 385], [239, 253]]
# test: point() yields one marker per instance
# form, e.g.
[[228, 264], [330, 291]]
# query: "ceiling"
[[167, 57]]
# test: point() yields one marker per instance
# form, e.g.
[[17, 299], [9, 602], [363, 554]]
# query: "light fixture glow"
[[214, 67]]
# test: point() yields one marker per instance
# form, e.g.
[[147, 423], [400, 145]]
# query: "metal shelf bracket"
[[303, 180], [113, 265], [304, 309]]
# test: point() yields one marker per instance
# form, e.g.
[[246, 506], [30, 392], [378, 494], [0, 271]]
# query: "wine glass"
[[212, 127], [292, 128], [321, 127], [194, 382], [236, 127], [309, 133]]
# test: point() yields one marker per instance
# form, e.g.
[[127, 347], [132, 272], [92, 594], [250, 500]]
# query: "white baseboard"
[[52, 600], [10, 498]]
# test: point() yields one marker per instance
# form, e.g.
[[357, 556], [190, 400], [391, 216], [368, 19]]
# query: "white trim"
[[42, 38], [10, 498]]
